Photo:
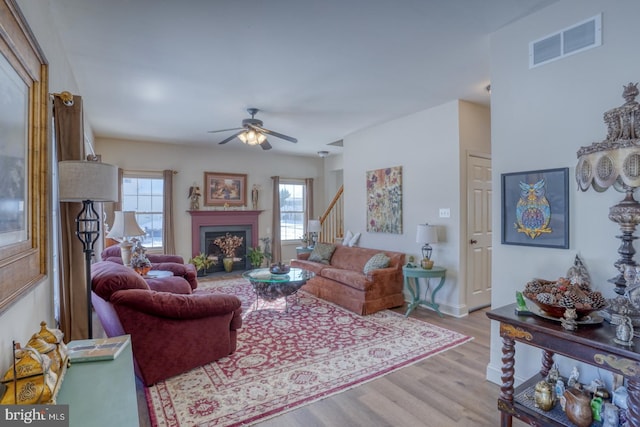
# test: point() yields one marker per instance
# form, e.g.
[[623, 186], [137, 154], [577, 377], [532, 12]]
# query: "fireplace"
[[206, 226], [209, 234]]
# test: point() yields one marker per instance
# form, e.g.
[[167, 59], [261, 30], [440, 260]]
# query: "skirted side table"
[[416, 273]]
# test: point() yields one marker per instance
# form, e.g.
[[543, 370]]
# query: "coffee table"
[[269, 287]]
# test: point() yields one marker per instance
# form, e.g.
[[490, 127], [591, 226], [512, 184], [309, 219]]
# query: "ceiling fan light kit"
[[252, 137], [252, 132]]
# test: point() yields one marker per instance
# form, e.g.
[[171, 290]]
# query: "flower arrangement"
[[229, 244], [139, 260]]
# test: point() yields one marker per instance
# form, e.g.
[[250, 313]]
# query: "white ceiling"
[[169, 71]]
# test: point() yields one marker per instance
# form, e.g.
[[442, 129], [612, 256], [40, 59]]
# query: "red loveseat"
[[172, 263], [171, 332]]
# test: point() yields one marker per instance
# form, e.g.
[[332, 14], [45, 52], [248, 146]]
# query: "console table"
[[101, 393], [416, 273], [592, 344]]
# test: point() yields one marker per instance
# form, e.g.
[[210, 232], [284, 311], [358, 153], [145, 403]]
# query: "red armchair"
[[171, 332], [173, 263]]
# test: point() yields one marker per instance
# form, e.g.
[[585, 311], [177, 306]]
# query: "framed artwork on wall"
[[384, 200], [222, 189], [535, 208], [23, 159]]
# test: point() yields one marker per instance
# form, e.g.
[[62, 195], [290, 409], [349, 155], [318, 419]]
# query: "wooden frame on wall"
[[535, 208], [23, 126], [222, 189]]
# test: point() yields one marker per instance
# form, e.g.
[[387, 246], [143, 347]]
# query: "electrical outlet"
[[445, 213]]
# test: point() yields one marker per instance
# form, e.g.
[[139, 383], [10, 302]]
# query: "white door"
[[478, 232]]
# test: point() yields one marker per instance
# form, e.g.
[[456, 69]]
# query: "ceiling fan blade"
[[276, 134], [265, 145], [224, 141], [223, 130]]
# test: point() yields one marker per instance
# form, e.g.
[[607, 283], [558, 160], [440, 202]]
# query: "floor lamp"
[[87, 182]]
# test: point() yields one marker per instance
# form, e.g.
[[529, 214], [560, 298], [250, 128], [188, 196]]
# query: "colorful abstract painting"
[[384, 200]]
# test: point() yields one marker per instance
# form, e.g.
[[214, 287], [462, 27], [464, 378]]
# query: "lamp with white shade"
[[124, 227], [426, 234], [87, 182], [314, 227]]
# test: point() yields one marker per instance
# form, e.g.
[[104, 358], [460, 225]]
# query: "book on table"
[[94, 350]]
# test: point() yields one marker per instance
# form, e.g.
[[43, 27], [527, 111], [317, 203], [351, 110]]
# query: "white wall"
[[192, 162], [540, 118], [427, 146]]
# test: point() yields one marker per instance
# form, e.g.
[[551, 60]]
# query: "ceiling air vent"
[[577, 38]]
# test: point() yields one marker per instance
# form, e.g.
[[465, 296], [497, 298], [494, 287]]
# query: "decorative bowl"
[[279, 269], [555, 310]]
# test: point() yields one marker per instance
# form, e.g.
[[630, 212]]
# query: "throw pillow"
[[322, 252], [354, 240], [347, 238], [377, 261]]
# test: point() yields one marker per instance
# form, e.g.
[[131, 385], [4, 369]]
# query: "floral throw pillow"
[[377, 261], [322, 252]]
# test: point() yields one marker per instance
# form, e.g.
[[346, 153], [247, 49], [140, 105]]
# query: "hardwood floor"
[[448, 389]]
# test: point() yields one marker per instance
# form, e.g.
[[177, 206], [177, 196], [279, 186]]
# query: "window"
[[292, 203], [143, 193]]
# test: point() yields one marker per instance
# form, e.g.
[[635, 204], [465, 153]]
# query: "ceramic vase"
[[578, 407], [142, 270], [427, 264], [228, 264]]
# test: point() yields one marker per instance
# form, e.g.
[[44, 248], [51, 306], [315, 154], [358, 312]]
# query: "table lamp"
[[314, 227], [425, 235], [87, 182], [124, 227]]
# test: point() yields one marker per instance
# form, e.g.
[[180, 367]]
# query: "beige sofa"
[[343, 281]]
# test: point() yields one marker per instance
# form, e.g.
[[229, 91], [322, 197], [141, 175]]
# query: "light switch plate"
[[445, 213]]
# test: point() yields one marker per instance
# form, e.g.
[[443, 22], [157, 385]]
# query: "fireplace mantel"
[[206, 218]]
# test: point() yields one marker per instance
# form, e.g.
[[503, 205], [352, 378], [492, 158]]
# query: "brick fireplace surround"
[[206, 218]]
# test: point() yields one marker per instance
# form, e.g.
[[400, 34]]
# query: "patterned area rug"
[[288, 359]]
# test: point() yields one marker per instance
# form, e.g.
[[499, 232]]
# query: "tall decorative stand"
[[616, 162]]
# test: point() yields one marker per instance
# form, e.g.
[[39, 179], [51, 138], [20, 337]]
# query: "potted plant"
[[256, 256], [202, 263]]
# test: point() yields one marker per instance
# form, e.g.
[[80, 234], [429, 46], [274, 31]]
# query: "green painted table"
[[303, 250], [101, 393], [417, 273]]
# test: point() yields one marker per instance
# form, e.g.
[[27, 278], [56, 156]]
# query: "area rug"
[[286, 359]]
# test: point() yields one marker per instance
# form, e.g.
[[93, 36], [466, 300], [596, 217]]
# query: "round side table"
[[416, 273]]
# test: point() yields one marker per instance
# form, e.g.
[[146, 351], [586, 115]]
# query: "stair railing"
[[332, 221]]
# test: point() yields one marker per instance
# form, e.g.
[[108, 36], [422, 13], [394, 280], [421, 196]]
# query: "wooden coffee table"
[[270, 287]]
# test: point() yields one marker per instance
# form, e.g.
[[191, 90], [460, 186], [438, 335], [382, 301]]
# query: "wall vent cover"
[[577, 38]]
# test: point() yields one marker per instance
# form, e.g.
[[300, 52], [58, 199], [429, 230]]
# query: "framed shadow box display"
[[535, 208]]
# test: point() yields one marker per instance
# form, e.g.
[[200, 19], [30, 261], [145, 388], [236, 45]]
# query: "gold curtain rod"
[[126, 171]]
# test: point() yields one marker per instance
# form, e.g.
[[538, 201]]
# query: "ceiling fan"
[[252, 132]]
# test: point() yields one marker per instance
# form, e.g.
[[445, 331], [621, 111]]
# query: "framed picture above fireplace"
[[222, 189]]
